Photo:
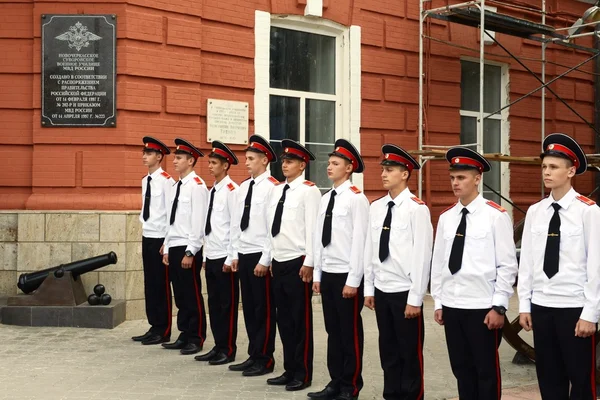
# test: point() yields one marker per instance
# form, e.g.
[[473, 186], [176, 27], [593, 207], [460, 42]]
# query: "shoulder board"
[[585, 200], [418, 200], [355, 189], [452, 206], [230, 187], [165, 174], [496, 206], [309, 183], [273, 180], [198, 180]]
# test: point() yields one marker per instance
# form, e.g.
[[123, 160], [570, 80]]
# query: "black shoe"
[[280, 380], [208, 356], [191, 348], [176, 345], [345, 396], [258, 370], [296, 384], [327, 393], [242, 366], [221, 359], [142, 337], [155, 339]]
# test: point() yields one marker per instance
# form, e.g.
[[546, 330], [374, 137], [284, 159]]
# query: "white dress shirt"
[[190, 216], [157, 224], [216, 243], [345, 252], [253, 239], [411, 239], [297, 221], [577, 283], [489, 263]]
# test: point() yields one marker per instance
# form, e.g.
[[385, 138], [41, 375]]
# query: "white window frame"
[[348, 76], [503, 117]]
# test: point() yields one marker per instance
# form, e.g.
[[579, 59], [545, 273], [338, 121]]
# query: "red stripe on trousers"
[[169, 315], [268, 327], [197, 302], [420, 350], [306, 333], [356, 347], [231, 316]]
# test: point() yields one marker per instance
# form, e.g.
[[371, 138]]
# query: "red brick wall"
[[174, 55]]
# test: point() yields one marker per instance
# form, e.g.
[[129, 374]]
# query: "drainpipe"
[[597, 108]]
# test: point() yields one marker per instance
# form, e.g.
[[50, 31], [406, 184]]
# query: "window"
[[307, 87], [494, 140]]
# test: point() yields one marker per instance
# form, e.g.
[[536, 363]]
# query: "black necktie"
[[552, 244], [278, 212], [210, 206], [175, 200], [147, 198], [458, 245], [247, 203], [384, 239], [326, 237]]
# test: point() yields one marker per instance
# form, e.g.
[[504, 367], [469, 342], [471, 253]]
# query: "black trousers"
[[473, 351], [223, 298], [294, 318], [157, 288], [400, 347], [561, 357], [345, 339], [187, 287], [259, 310]]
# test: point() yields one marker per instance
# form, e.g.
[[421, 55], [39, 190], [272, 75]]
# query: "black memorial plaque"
[[78, 70]]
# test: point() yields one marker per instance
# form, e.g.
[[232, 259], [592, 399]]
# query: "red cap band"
[[395, 157], [187, 149], [223, 154], [154, 146], [297, 152], [566, 151], [346, 153], [262, 148], [467, 161]]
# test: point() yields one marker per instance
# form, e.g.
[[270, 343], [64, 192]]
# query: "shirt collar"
[[188, 178], [156, 173], [343, 187], [261, 177], [296, 182], [405, 194], [223, 182], [565, 201], [472, 207]]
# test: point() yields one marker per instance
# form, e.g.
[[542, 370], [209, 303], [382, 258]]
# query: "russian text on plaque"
[[78, 70]]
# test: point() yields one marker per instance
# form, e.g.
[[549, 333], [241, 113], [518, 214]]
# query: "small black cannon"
[[32, 281]]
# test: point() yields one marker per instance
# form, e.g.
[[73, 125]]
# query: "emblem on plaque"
[[78, 36]]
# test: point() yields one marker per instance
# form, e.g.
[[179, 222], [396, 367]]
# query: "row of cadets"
[[222, 283], [559, 276], [182, 249], [156, 195], [249, 234]]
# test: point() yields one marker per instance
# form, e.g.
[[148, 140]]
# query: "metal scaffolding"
[[475, 14]]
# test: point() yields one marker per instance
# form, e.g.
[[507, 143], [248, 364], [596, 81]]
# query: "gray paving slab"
[[76, 363]]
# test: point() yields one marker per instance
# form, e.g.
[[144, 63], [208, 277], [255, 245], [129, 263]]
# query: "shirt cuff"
[[525, 306], [317, 275], [191, 248], [437, 305], [308, 261], [265, 260], [589, 314], [228, 260], [414, 299], [369, 290], [500, 300], [353, 281]]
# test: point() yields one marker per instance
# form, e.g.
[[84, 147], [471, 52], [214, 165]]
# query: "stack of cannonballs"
[[99, 297]]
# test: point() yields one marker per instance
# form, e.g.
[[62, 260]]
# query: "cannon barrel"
[[30, 282]]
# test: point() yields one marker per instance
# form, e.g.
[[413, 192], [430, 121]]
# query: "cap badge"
[[456, 160], [177, 147], [550, 147], [387, 156], [286, 150]]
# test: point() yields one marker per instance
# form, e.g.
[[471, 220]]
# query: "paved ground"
[[72, 363]]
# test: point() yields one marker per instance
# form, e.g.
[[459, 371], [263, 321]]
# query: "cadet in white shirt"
[[397, 264], [182, 249], [559, 283], [156, 192], [249, 233], [472, 272], [292, 214], [338, 272], [223, 285]]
